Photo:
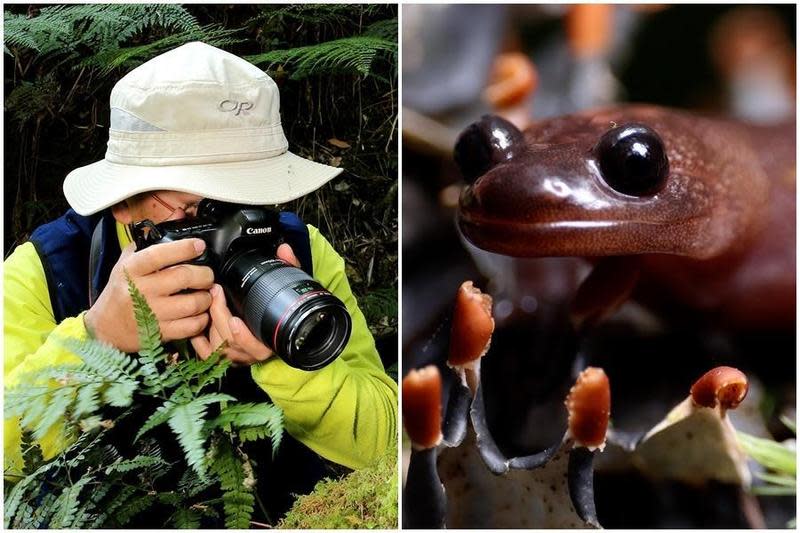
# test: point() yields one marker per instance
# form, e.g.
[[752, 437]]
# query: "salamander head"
[[622, 181]]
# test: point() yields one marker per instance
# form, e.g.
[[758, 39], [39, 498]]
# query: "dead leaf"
[[338, 143]]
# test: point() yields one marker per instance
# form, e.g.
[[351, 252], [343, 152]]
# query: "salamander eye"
[[633, 159], [484, 144]]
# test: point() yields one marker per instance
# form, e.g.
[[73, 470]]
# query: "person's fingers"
[[181, 305], [184, 328], [163, 255], [285, 253], [244, 340], [220, 314], [202, 346], [177, 278]]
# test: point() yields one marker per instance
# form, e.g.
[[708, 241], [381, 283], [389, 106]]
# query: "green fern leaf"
[[186, 519], [61, 399], [266, 418], [160, 416], [187, 422], [104, 360], [191, 484], [247, 414], [151, 352], [237, 491], [353, 54], [88, 400], [134, 507], [137, 463], [120, 394], [42, 514], [67, 505], [122, 497]]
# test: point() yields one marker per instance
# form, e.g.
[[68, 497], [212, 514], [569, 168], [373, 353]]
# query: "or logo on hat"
[[229, 106]]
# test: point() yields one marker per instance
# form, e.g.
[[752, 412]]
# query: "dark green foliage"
[[351, 54], [235, 475], [103, 480]]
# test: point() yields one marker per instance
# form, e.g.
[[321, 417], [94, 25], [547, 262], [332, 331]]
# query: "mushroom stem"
[[495, 461], [456, 417], [580, 477], [424, 499]]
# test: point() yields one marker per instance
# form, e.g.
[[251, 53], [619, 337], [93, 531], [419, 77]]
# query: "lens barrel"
[[287, 310]]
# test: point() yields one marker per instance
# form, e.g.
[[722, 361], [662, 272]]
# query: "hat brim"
[[269, 181]]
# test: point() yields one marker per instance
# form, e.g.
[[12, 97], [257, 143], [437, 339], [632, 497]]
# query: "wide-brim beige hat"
[[200, 120]]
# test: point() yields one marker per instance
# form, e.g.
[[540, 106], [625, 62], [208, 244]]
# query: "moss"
[[364, 499]]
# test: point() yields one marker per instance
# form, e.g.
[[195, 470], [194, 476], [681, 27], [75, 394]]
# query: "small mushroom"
[[589, 407], [471, 333], [696, 442], [422, 407], [424, 502]]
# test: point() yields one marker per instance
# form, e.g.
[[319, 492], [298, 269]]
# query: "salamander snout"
[[484, 144]]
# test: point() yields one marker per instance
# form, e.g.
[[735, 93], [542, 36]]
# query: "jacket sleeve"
[[346, 411], [31, 342]]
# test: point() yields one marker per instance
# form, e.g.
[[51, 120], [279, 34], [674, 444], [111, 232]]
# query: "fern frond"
[[29, 99], [186, 519], [88, 400], [104, 360], [265, 418], [385, 29], [247, 414], [41, 516], [191, 484], [133, 507], [187, 422], [350, 54], [159, 416], [110, 59], [61, 399], [209, 371], [137, 463], [67, 505], [237, 493], [150, 352], [122, 497]]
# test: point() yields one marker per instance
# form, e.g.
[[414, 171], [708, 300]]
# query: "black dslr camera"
[[286, 309]]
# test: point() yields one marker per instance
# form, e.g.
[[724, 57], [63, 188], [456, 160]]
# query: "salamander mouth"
[[576, 238]]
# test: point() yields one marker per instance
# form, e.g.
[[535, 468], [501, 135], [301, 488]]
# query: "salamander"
[[704, 207]]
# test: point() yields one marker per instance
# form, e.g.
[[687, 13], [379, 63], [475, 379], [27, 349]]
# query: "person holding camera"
[[191, 127]]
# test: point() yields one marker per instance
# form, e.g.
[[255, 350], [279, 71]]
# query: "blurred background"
[[733, 61], [336, 66]]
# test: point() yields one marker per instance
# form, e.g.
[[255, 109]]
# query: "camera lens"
[[313, 333], [289, 311]]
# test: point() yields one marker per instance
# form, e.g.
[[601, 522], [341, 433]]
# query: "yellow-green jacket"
[[346, 412]]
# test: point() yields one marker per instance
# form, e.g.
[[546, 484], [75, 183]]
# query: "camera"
[[307, 326]]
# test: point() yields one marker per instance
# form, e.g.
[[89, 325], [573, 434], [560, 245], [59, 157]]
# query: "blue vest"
[[64, 248]]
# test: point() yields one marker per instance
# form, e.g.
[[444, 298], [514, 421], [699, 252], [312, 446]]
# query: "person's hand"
[[160, 278], [243, 348]]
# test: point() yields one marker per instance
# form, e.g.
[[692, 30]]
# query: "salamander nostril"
[[484, 144], [633, 159]]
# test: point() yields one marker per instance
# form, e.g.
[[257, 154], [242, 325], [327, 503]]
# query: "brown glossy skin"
[[718, 237]]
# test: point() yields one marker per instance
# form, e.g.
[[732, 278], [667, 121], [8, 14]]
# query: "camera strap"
[[295, 233], [94, 259]]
